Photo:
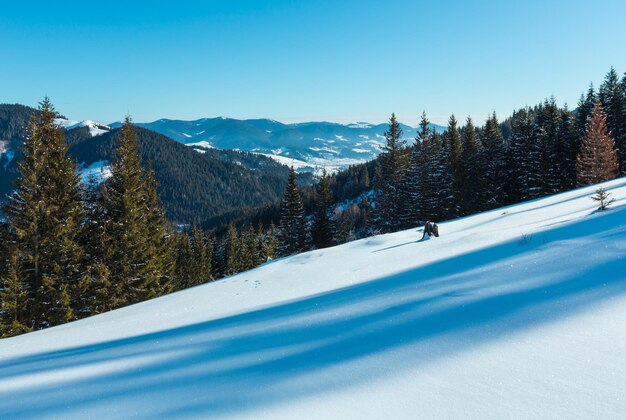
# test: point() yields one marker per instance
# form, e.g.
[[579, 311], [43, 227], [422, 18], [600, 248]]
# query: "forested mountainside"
[[193, 186]]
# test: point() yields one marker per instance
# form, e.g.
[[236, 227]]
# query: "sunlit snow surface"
[[515, 313]]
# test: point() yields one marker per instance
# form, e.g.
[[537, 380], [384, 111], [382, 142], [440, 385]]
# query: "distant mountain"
[[311, 144]]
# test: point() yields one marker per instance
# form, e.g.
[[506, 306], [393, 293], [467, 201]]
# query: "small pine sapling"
[[602, 197]]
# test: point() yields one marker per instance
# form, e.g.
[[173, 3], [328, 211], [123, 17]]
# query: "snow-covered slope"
[[513, 313], [95, 129]]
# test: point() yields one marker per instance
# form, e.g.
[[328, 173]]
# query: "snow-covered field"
[[514, 313]]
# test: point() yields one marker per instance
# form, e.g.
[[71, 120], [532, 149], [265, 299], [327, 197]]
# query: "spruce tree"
[[393, 162], [457, 170], [523, 158], [473, 167], [44, 219], [597, 160], [185, 269], [494, 151], [613, 102], [160, 260], [133, 220], [202, 255], [292, 236], [323, 224], [14, 302], [412, 184], [270, 243], [232, 252]]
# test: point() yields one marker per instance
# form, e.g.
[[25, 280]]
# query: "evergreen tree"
[[597, 160], [232, 252], [270, 244], [458, 186], [137, 271], [44, 219], [292, 236], [613, 100], [585, 107], [202, 255], [14, 302], [159, 259], [323, 224], [523, 158], [412, 184], [392, 163], [569, 144], [494, 151], [185, 269], [472, 162]]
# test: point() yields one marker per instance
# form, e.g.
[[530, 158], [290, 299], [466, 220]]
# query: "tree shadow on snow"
[[239, 363]]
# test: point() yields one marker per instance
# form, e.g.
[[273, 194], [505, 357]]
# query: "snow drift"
[[518, 313]]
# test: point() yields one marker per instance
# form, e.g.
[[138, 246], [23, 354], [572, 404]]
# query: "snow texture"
[[513, 313]]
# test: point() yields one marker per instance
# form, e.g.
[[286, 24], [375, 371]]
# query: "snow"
[[357, 150], [95, 129], [98, 171], [187, 135], [204, 144], [297, 164], [359, 125], [513, 313], [201, 151]]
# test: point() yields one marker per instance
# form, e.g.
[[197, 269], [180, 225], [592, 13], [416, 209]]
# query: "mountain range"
[[306, 145]]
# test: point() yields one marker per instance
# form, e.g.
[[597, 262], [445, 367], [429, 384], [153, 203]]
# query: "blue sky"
[[305, 60]]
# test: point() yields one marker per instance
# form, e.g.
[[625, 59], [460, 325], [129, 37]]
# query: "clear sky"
[[305, 60]]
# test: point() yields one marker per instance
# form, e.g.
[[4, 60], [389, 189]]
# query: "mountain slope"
[[513, 313], [193, 186], [322, 144]]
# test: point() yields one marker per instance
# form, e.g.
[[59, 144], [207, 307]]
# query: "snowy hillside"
[[514, 313]]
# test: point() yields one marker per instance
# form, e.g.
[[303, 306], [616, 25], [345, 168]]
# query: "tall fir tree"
[[393, 163], [45, 218], [133, 220], [292, 235], [613, 100], [323, 223], [412, 184], [160, 258], [495, 164], [14, 302], [458, 187], [473, 167], [598, 160]]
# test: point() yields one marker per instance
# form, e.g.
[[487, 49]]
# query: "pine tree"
[[14, 302], [597, 160], [323, 224], [393, 162], [232, 252], [202, 256], [613, 103], [44, 219], [292, 236], [494, 151], [523, 158], [160, 260], [602, 197], [570, 146], [457, 173], [473, 166], [185, 269], [270, 243], [134, 219], [412, 183], [585, 107]]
